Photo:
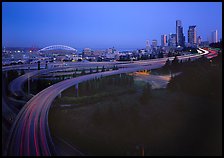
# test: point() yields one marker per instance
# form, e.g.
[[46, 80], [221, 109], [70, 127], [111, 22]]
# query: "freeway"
[[58, 64], [16, 85], [76, 64], [30, 133], [23, 66]]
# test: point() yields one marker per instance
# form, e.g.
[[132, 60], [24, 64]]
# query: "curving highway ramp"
[[30, 135]]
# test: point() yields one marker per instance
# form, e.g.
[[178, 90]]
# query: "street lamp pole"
[[29, 76], [29, 82], [142, 151]]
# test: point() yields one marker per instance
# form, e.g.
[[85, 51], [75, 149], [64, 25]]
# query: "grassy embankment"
[[116, 117]]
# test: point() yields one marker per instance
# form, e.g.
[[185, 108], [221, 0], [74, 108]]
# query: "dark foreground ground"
[[118, 116]]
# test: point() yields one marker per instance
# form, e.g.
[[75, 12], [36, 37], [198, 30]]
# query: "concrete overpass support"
[[77, 90], [28, 80], [46, 67]]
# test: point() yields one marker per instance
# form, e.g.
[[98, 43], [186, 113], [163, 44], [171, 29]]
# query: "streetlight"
[[28, 74], [141, 148], [28, 83]]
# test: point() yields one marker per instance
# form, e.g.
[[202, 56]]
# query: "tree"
[[170, 54], [46, 65], [175, 61], [83, 72], [160, 55], [181, 62], [22, 72], [74, 74], [115, 67], [216, 45], [103, 69], [144, 98], [90, 71], [167, 62], [38, 63], [189, 60], [175, 64], [12, 74]]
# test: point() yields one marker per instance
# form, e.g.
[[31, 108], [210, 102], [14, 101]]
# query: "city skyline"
[[104, 25]]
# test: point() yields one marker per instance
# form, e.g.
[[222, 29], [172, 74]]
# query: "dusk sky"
[[99, 25]]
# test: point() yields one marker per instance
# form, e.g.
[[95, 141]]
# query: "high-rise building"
[[163, 40], [192, 35], [154, 43], [199, 40], [147, 45], [172, 40], [215, 36], [180, 39]]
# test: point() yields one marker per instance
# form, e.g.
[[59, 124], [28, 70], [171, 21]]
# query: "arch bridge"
[[57, 47]]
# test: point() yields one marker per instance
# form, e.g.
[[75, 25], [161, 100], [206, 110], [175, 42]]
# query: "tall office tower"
[[199, 40], [147, 45], [179, 33], [172, 40], [154, 43], [163, 40], [192, 35], [215, 36], [183, 41]]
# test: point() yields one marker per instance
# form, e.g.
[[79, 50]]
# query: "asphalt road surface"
[[30, 133]]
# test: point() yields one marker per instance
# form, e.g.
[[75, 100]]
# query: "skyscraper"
[[192, 35], [215, 36], [172, 40], [154, 43], [163, 40], [147, 45], [199, 40], [180, 39]]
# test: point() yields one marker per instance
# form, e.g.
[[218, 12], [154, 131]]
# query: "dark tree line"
[[146, 94], [216, 45], [201, 77], [101, 84]]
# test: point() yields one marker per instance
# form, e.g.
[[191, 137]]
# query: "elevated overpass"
[[30, 134]]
